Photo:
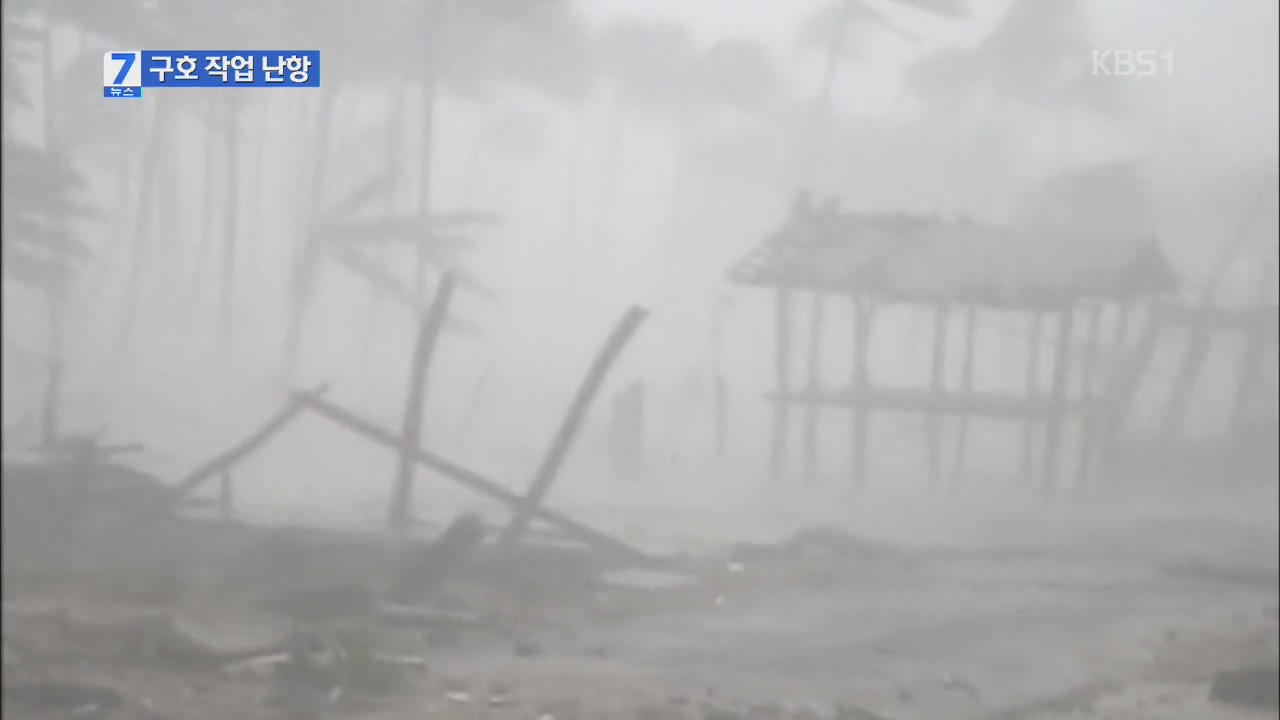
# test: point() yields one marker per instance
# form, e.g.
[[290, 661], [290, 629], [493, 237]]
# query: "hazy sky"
[[1225, 50]]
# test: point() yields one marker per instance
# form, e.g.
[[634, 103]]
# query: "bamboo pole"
[[782, 370], [546, 475], [1058, 398], [937, 385], [966, 388], [428, 332], [1033, 394], [1113, 407], [1089, 391], [815, 368], [861, 385]]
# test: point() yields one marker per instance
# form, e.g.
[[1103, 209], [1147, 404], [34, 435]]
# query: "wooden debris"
[[223, 461], [478, 483], [525, 509], [411, 432]]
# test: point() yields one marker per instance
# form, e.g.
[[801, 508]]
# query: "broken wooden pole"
[[560, 444], [1058, 398], [937, 386], [809, 469], [966, 389], [473, 481], [862, 387], [411, 430], [1033, 395], [782, 372], [242, 449]]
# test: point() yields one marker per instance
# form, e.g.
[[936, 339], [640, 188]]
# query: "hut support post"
[[1058, 397], [937, 386], [1089, 393], [782, 369], [861, 387], [1034, 344], [1113, 405], [810, 470], [966, 389]]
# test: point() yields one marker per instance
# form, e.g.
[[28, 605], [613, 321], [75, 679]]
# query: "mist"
[[179, 266]]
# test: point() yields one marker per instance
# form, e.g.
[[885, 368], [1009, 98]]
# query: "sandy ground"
[[1083, 609]]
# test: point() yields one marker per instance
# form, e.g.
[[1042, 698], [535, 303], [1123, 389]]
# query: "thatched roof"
[[924, 258]]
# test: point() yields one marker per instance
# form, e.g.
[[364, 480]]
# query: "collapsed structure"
[[955, 267]]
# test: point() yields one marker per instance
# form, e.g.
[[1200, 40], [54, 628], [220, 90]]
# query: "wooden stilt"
[[862, 312], [1027, 472], [782, 369], [810, 469], [1058, 398], [937, 385], [1089, 394], [1113, 403], [966, 388], [1249, 374]]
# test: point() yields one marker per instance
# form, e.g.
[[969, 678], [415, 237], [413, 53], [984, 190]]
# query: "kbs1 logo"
[[126, 72], [1132, 63]]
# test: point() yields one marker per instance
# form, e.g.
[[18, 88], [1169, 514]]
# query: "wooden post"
[[1058, 397], [411, 432], [966, 389], [1113, 403], [473, 481], [811, 408], [1089, 394], [862, 314], [782, 370], [1033, 396], [937, 386], [569, 427], [1255, 347]]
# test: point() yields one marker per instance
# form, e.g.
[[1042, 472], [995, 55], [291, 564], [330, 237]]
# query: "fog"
[[177, 265]]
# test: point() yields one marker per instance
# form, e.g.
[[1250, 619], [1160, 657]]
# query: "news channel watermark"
[[1132, 63]]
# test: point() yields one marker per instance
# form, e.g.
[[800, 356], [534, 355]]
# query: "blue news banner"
[[126, 72]]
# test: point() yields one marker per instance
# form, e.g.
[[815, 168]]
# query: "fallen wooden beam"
[[474, 481], [239, 451], [622, 332]]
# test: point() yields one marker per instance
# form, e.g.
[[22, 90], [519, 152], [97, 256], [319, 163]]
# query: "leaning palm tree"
[[839, 28]]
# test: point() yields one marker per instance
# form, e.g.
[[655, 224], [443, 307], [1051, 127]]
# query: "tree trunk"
[[822, 102], [433, 13], [395, 150], [231, 228], [142, 216]]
